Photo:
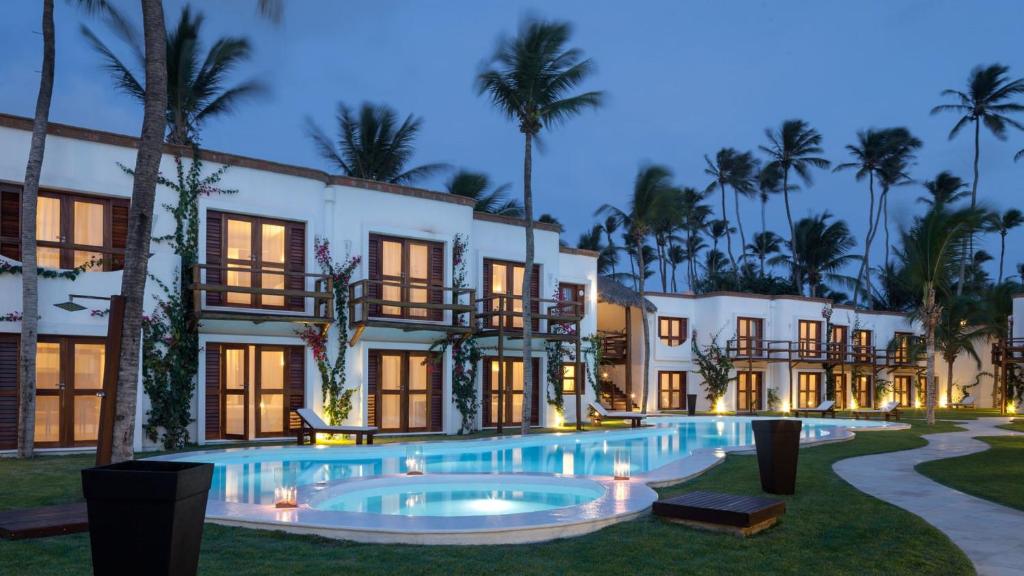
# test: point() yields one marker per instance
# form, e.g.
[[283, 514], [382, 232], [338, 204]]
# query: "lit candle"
[[620, 469], [414, 464]]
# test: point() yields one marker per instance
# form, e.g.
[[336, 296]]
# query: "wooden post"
[[108, 401], [501, 365], [578, 379], [629, 362]]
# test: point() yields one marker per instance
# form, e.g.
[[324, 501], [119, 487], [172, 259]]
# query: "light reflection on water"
[[254, 481]]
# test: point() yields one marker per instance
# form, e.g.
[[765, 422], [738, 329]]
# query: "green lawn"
[[829, 528], [1016, 426], [994, 474]]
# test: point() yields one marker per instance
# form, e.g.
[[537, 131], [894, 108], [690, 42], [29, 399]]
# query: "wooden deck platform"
[[740, 515], [43, 521]]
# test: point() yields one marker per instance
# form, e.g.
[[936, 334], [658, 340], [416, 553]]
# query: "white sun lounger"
[[312, 424], [605, 414]]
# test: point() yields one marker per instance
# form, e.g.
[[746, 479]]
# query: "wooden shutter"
[[213, 392], [535, 296], [486, 395], [373, 290], [535, 401], [435, 372], [295, 386], [214, 254], [372, 384], [118, 231], [10, 223], [8, 391], [436, 267], [295, 263]]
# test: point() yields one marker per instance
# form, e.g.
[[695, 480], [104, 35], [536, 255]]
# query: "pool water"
[[250, 475], [463, 499]]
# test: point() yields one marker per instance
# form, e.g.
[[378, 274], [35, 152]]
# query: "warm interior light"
[[917, 404]]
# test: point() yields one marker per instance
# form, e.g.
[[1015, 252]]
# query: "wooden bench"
[[739, 515], [43, 521]]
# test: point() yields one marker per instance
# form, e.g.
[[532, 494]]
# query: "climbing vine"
[[558, 354], [828, 367], [594, 353], [337, 398], [69, 274], [466, 353], [714, 366]]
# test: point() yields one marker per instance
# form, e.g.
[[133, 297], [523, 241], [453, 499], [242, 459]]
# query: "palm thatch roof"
[[611, 292]]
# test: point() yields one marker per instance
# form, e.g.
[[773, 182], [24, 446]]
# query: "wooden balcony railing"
[[212, 295], [750, 348], [551, 318], [613, 347], [419, 304]]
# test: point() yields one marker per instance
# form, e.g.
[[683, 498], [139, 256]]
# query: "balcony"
[[215, 299], [502, 315], [752, 348], [410, 306]]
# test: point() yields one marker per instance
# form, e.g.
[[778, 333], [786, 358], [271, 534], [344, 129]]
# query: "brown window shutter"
[[535, 401], [436, 374], [487, 304], [295, 386], [437, 279], [213, 391], [214, 251], [10, 223], [118, 231], [535, 296], [372, 383], [8, 391], [375, 267], [296, 263], [485, 397]]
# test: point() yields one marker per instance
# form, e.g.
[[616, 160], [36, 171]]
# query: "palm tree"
[[695, 215], [610, 226], [196, 90], [593, 240], [764, 245], [822, 250], [477, 185], [893, 172], [1003, 223], [797, 147], [652, 193], [769, 183], [930, 255], [944, 190], [676, 256], [373, 145], [529, 80], [140, 225], [988, 100], [955, 335], [736, 169]]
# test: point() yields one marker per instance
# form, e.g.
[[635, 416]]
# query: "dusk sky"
[[683, 79]]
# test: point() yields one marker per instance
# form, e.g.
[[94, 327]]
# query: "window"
[[406, 271], [901, 355], [901, 390], [865, 392], [837, 346], [503, 287], [569, 378], [809, 389], [672, 331], [748, 391], [862, 345], [810, 338], [749, 336], [672, 390], [71, 229], [840, 392], [575, 293]]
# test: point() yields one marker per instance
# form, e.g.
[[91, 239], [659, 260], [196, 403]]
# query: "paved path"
[[991, 535]]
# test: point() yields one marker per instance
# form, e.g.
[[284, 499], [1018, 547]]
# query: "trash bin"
[[691, 404], [778, 446], [146, 516]]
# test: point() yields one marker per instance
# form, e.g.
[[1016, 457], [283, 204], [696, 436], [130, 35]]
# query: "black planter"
[[778, 446], [146, 517], [691, 404]]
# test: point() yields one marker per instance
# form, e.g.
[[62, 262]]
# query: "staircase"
[[613, 398]]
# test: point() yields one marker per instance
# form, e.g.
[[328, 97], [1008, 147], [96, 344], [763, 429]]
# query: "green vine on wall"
[[69, 274], [594, 354], [337, 398], [466, 353], [714, 366], [558, 354]]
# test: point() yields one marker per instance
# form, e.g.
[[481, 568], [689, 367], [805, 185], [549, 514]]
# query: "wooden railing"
[[613, 346], [750, 348], [367, 303], [550, 317], [317, 305]]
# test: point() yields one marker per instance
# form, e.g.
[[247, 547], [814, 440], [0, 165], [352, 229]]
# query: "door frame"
[[506, 389], [257, 386], [403, 392], [224, 392], [755, 380], [66, 391]]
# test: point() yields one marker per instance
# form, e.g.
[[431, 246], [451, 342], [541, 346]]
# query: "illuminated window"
[[672, 390], [568, 378], [672, 331], [810, 338]]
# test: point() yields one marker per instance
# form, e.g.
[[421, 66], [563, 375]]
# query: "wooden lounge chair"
[[313, 424], [825, 409], [605, 414], [965, 402], [889, 411]]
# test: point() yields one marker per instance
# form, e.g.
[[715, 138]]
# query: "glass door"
[[239, 259], [512, 402], [270, 410], [808, 387], [671, 390], [88, 361], [235, 392], [49, 396], [840, 391], [69, 381], [404, 392], [748, 391]]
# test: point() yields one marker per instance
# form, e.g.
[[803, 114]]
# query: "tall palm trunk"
[[865, 263], [792, 230], [885, 216], [647, 331], [140, 226], [739, 224], [764, 230], [931, 320], [728, 235], [691, 265], [969, 245], [527, 294], [30, 276], [611, 249], [950, 361], [1002, 253]]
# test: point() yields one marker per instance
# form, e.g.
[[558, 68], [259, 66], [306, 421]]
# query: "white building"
[[260, 241]]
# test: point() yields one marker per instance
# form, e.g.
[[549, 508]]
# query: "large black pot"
[[778, 446], [146, 516], [691, 404]]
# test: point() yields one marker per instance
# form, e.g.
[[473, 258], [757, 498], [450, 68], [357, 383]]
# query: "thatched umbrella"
[[611, 292]]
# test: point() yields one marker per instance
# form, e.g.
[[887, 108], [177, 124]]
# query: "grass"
[[830, 528], [1015, 425], [994, 474]]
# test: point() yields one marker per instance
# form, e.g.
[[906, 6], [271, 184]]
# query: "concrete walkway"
[[991, 535]]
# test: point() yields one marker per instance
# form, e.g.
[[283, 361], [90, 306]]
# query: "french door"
[[69, 386], [748, 391], [865, 392], [808, 389], [234, 392], [901, 390], [254, 254], [672, 390], [404, 404], [750, 336], [510, 391], [840, 392], [256, 372]]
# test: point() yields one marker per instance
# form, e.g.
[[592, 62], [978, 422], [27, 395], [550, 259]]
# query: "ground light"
[[720, 405], [1011, 408], [785, 407]]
